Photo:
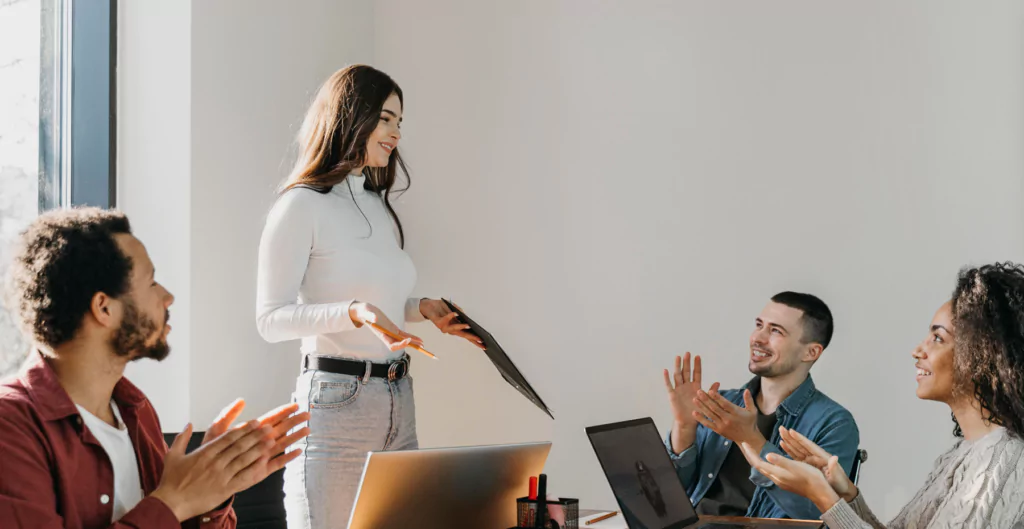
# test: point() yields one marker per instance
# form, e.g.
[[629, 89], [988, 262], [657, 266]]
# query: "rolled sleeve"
[[685, 461]]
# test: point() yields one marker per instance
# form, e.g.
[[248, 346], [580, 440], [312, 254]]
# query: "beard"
[[136, 328], [781, 366], [765, 371]]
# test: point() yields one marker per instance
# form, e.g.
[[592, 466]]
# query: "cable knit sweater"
[[977, 484]]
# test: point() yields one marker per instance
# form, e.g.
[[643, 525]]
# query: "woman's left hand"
[[794, 476], [447, 321]]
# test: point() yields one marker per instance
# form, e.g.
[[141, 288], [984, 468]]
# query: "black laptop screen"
[[641, 475]]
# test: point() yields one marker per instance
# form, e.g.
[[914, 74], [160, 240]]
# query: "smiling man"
[[82, 446], [789, 336]]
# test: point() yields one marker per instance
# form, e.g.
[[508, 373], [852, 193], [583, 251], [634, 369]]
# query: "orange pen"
[[602, 518], [397, 337]]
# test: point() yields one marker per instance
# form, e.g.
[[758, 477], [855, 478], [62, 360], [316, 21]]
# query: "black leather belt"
[[394, 371]]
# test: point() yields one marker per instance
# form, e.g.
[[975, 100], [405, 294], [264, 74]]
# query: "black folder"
[[501, 361]]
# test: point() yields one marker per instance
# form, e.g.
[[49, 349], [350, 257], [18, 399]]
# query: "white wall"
[[153, 184], [210, 97], [256, 66], [606, 184], [603, 184]]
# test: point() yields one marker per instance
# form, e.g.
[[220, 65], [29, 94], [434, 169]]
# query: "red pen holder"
[[526, 513]]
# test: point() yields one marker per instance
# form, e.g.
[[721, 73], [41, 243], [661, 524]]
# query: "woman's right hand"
[[803, 449], [794, 476], [364, 313]]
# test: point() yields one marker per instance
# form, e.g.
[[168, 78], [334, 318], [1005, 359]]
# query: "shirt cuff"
[[345, 322], [759, 479], [151, 512], [842, 516], [217, 515], [412, 311], [688, 453]]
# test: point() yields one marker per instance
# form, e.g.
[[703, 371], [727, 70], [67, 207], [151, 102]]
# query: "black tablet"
[[501, 361]]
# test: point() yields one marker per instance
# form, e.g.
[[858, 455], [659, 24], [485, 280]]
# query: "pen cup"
[[526, 513]]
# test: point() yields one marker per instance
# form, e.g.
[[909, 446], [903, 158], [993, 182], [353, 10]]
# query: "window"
[[56, 120]]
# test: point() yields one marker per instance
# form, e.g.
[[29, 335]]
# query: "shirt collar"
[[53, 402], [795, 403]]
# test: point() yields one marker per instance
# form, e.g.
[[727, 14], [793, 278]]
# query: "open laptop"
[[646, 485], [442, 488]]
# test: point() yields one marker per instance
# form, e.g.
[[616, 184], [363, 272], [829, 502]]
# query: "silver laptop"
[[646, 486], [442, 488]]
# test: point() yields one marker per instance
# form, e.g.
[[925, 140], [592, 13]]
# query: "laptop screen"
[[641, 475]]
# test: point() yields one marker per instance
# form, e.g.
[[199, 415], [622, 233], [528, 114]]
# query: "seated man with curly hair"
[[81, 446]]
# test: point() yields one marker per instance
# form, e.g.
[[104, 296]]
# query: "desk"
[[723, 519]]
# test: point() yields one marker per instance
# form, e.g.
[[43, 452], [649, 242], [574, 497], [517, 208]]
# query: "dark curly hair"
[[60, 262], [988, 315]]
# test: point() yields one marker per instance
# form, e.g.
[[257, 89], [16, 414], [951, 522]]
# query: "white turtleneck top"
[[318, 254]]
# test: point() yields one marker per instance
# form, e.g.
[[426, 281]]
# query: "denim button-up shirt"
[[807, 411]]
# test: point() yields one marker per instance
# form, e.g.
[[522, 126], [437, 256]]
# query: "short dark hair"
[[817, 318], [60, 262], [988, 329]]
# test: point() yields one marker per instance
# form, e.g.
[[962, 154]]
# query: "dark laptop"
[[645, 483]]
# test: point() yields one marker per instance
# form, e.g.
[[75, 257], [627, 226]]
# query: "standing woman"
[[331, 260]]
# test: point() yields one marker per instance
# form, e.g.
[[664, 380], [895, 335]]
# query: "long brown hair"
[[336, 130]]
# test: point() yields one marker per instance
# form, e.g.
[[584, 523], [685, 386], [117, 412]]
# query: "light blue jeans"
[[349, 416]]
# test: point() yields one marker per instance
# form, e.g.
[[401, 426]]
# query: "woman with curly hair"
[[973, 361]]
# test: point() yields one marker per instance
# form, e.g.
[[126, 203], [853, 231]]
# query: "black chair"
[[860, 458], [258, 507]]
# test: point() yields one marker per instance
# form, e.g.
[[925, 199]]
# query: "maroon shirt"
[[54, 473]]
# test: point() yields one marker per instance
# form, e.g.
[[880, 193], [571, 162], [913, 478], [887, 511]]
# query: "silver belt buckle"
[[393, 369]]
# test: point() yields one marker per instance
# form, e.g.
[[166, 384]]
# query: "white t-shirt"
[[118, 446], [318, 253]]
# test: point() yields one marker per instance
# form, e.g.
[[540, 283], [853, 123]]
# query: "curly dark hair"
[[60, 262], [988, 315]]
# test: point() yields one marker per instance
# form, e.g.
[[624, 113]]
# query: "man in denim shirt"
[[788, 338]]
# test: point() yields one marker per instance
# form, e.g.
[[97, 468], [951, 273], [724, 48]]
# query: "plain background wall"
[[154, 133], [606, 184], [211, 95], [603, 185], [255, 67]]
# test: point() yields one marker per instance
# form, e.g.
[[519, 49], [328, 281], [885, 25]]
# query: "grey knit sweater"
[[977, 484]]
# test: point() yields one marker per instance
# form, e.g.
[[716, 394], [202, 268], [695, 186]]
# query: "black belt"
[[394, 371]]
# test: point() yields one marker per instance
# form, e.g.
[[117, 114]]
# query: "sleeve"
[[840, 438], [150, 512], [845, 515], [284, 252], [412, 311], [222, 517], [851, 515], [685, 461]]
